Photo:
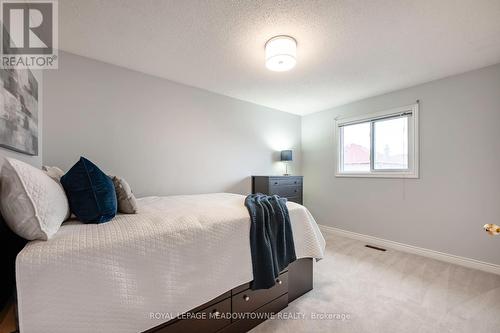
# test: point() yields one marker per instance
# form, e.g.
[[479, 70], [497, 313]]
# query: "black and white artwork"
[[19, 111]]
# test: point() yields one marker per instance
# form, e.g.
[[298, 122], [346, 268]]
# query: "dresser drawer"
[[289, 180], [249, 300], [245, 325], [247, 286], [205, 320], [286, 190]]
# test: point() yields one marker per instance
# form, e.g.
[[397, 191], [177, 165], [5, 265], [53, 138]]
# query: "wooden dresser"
[[289, 187]]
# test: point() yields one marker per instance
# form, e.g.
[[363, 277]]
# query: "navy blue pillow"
[[91, 193]]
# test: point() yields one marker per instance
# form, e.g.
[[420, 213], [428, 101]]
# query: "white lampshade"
[[281, 53]]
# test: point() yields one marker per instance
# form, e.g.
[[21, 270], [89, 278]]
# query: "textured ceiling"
[[347, 50]]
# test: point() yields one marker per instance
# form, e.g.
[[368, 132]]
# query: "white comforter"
[[177, 253]]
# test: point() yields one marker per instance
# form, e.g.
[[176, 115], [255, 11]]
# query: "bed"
[[139, 271]]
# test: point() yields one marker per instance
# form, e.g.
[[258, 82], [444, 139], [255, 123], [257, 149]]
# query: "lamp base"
[[286, 169]]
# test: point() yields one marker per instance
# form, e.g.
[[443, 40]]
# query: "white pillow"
[[33, 205]]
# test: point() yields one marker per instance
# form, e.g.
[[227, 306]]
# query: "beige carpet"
[[364, 290]]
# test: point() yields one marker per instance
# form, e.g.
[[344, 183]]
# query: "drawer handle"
[[275, 183], [295, 182], [216, 313], [246, 298], [278, 281], [295, 191]]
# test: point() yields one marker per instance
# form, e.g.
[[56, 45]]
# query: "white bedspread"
[[177, 253]]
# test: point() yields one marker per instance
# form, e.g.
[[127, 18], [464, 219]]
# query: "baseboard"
[[450, 258]]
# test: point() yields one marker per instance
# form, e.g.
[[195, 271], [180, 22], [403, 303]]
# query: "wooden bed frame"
[[10, 246], [241, 309], [237, 310]]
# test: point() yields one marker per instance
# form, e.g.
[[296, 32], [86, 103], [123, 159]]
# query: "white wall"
[[167, 138], [33, 160], [459, 187], [164, 138]]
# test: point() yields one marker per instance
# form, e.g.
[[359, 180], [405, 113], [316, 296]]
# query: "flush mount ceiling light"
[[281, 53]]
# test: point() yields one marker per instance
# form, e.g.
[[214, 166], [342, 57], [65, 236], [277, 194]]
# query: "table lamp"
[[286, 156]]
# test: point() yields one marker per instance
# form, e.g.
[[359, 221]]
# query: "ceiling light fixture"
[[281, 53]]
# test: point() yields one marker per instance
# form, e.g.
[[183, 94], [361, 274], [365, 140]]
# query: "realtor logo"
[[29, 34]]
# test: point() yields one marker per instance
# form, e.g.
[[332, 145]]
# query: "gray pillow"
[[53, 172], [127, 203]]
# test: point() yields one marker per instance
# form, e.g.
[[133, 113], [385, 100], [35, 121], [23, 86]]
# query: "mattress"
[[141, 270]]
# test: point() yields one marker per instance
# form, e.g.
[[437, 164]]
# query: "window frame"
[[413, 143]]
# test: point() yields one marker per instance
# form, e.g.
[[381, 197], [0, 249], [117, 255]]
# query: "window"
[[384, 144]]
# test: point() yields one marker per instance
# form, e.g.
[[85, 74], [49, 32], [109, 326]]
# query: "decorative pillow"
[[32, 204], [126, 199], [56, 174], [90, 192], [53, 172]]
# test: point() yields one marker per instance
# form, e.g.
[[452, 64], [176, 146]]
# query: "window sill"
[[405, 175]]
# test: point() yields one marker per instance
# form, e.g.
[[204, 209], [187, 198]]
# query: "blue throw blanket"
[[271, 238]]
